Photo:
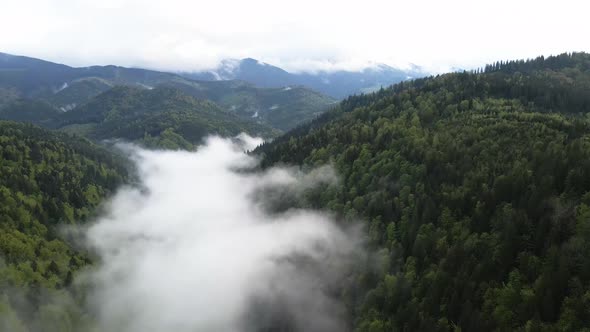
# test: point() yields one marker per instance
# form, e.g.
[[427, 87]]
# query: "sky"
[[302, 35]]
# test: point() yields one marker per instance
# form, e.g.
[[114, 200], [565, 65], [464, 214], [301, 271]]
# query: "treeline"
[[47, 180], [554, 62], [475, 189]]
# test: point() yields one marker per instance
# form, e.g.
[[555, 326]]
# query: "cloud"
[[193, 247], [301, 35]]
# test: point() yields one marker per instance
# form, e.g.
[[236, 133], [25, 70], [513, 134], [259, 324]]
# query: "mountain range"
[[65, 88], [337, 84]]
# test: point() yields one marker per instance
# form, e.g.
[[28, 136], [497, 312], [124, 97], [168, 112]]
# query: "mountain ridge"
[[336, 83], [67, 87]]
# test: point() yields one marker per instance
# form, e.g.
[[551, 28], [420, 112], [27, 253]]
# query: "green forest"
[[159, 118], [475, 189], [47, 181]]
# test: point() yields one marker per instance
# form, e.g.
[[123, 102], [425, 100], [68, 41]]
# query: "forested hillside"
[[474, 188], [162, 117], [47, 180], [283, 108], [31, 111], [65, 88], [475, 191]]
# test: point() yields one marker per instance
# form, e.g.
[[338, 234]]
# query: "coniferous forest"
[[47, 181], [473, 189]]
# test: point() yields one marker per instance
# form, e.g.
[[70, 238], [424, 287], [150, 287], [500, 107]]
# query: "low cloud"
[[193, 247]]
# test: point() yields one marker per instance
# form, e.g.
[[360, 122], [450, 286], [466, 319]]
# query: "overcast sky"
[[296, 35]]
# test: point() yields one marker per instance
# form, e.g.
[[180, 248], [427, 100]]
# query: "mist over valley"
[[260, 166]]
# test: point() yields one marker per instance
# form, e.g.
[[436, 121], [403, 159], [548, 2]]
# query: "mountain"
[[475, 192], [79, 91], [337, 84], [47, 180], [249, 70], [32, 111], [281, 108], [474, 189], [162, 115], [66, 88], [42, 79]]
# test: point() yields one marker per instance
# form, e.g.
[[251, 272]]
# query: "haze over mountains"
[[53, 78], [252, 90], [55, 88], [337, 84]]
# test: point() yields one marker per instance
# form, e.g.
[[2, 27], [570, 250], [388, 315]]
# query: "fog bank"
[[192, 248]]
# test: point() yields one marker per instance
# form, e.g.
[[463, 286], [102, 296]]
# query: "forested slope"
[[65, 88], [475, 190], [47, 180], [281, 108], [161, 117]]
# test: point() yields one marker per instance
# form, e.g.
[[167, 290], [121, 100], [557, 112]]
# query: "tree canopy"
[[47, 180], [475, 191]]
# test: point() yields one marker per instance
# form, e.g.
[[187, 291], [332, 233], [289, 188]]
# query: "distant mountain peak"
[[252, 61], [335, 83]]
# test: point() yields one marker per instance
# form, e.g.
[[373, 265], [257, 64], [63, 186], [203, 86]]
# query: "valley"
[[452, 202]]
